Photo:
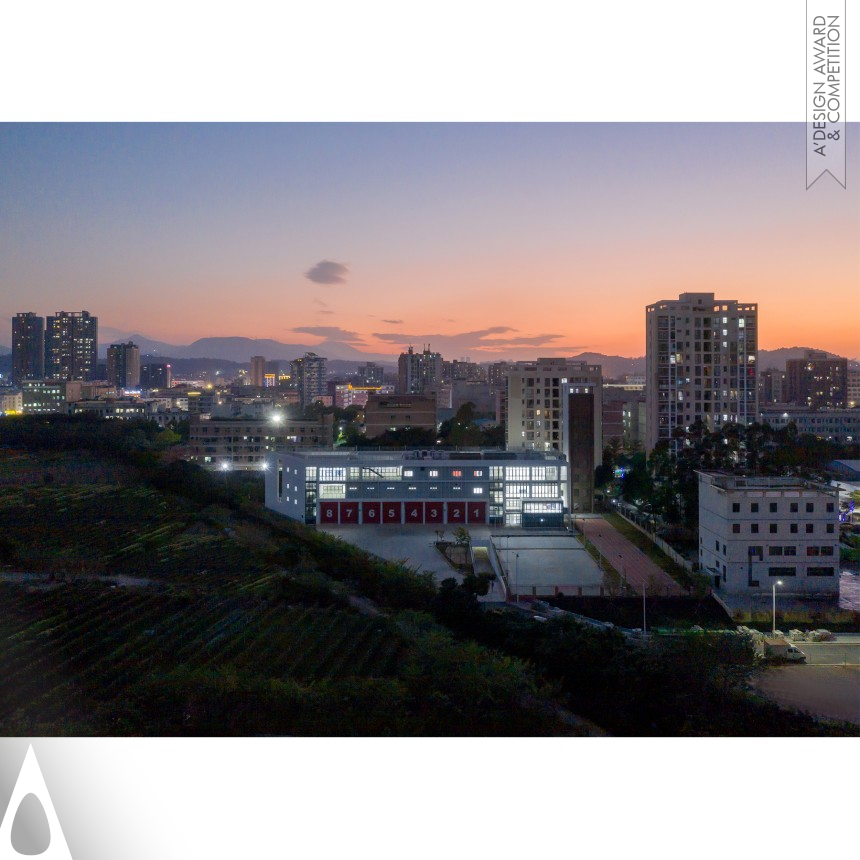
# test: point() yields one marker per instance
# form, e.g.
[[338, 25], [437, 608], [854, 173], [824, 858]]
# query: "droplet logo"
[[30, 826]]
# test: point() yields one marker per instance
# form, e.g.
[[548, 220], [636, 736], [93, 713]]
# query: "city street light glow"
[[773, 630]]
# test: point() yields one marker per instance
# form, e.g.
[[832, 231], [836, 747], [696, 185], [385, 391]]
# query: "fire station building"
[[435, 488]]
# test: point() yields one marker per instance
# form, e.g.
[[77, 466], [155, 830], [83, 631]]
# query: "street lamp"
[[517, 579], [778, 582]]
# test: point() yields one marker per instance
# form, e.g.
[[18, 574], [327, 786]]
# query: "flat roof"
[[424, 455], [728, 481]]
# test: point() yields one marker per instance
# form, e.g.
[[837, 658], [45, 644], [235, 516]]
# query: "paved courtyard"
[[537, 565], [413, 545]]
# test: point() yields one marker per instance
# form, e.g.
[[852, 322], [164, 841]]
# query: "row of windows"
[[535, 491], [774, 507], [792, 571], [511, 473], [773, 529], [352, 491], [792, 550]]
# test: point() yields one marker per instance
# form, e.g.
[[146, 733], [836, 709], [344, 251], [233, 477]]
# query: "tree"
[[605, 472], [462, 536]]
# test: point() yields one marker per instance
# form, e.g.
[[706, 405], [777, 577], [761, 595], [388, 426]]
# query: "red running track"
[[634, 566]]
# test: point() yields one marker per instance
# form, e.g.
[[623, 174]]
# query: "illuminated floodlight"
[[225, 467], [264, 466]]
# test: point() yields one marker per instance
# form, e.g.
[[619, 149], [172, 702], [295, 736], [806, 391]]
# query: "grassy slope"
[[249, 624]]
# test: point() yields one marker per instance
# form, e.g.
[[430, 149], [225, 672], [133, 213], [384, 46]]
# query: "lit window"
[[478, 491], [456, 473]]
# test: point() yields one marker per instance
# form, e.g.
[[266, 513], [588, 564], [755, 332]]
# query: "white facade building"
[[756, 531], [432, 488], [701, 357]]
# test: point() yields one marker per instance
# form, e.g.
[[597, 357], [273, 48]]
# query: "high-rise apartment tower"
[[701, 364], [71, 346], [123, 365], [28, 347]]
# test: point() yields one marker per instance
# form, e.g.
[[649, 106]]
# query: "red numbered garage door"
[[328, 513], [392, 512], [456, 513], [476, 513], [414, 512], [433, 513], [371, 513], [348, 513]]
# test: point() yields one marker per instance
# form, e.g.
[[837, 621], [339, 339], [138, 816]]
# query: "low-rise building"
[[846, 469], [124, 409], [756, 531], [45, 396], [399, 412], [835, 425], [243, 443], [434, 488], [346, 394], [11, 401]]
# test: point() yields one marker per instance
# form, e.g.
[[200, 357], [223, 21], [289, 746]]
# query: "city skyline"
[[509, 240]]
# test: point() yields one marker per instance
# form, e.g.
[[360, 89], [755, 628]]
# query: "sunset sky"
[[483, 240]]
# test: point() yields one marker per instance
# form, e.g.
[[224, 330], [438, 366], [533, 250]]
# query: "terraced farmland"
[[65, 651], [109, 529]]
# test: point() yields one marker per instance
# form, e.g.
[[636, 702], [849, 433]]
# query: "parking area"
[[831, 654], [413, 545]]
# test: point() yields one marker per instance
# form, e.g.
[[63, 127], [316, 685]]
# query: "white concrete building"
[[431, 487], [701, 357], [756, 531]]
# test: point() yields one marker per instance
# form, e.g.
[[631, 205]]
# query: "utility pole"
[[644, 622]]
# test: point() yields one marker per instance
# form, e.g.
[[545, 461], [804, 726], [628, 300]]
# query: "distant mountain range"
[[239, 350]]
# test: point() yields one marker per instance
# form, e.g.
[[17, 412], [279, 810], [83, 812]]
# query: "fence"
[[661, 544]]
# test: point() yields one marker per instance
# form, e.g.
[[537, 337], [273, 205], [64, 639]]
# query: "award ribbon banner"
[[825, 90]]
